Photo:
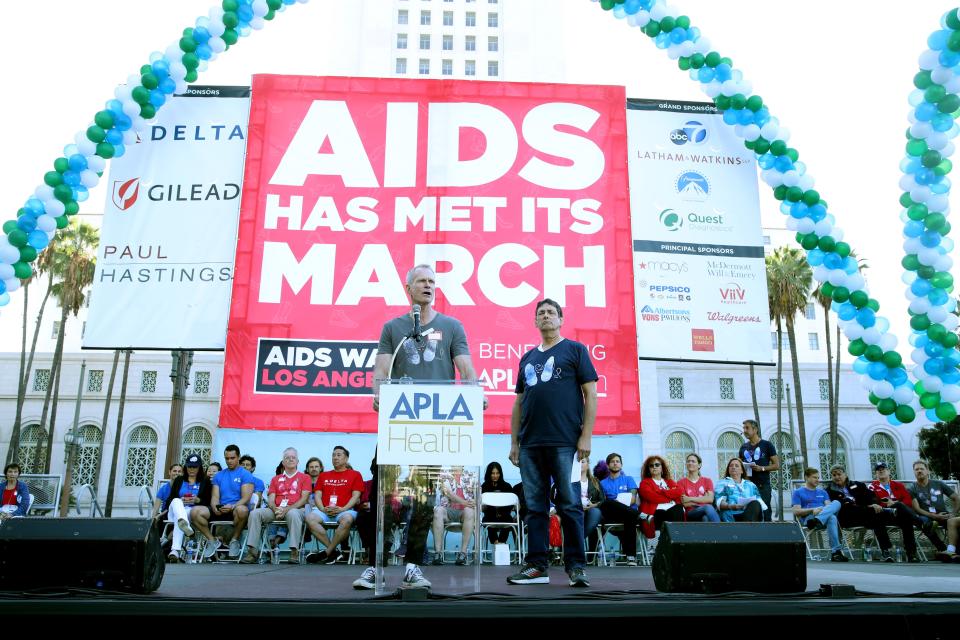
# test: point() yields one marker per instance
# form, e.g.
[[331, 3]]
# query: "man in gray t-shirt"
[[930, 496]]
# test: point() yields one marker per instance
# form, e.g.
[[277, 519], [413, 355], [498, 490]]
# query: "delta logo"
[[733, 293], [125, 193], [703, 340]]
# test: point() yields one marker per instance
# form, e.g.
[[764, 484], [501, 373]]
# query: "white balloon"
[[928, 256], [173, 54], [751, 132], [950, 393], [920, 194], [938, 202], [9, 254], [919, 356], [953, 85], [838, 277], [855, 282], [888, 342], [686, 47], [871, 336], [46, 223], [129, 137], [122, 92], [806, 182], [882, 389], [260, 8], [178, 71], [791, 223], [943, 263], [951, 322], [914, 98], [44, 193], [903, 395], [823, 228], [941, 75], [907, 183], [929, 60], [920, 305], [712, 89], [729, 88], [258, 23], [791, 178], [770, 129], [937, 314], [96, 163], [643, 18], [806, 225], [937, 140], [912, 245], [703, 44], [131, 108], [203, 66], [821, 273], [932, 383], [182, 87], [837, 233], [658, 11], [921, 129], [6, 271], [89, 178], [12, 284], [866, 382]]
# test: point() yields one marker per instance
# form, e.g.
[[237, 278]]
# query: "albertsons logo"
[[671, 219], [692, 132], [693, 186]]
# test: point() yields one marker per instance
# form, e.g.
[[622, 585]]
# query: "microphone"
[[416, 323]]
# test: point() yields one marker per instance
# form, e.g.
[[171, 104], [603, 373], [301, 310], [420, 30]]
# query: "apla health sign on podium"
[[430, 424]]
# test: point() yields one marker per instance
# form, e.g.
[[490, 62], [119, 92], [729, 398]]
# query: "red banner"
[[515, 191]]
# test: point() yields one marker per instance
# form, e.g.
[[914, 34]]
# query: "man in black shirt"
[[759, 459]]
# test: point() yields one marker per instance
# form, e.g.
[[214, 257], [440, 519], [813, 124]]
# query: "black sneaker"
[[887, 557], [529, 575], [461, 560], [837, 556], [332, 557], [437, 560], [814, 524], [578, 578], [316, 557]]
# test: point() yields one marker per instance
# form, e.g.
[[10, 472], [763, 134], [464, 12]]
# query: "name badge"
[[435, 335]]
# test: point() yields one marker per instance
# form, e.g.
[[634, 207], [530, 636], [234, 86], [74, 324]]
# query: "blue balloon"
[[938, 40], [762, 116], [766, 161], [82, 193], [866, 317], [832, 261], [157, 98], [918, 340], [845, 311], [783, 164], [204, 52], [910, 164], [35, 206], [168, 86], [942, 122], [69, 150], [114, 137], [115, 106], [662, 41], [938, 296], [161, 68], [71, 178], [3, 287], [38, 240], [815, 257], [245, 13], [949, 58], [942, 185], [878, 370], [930, 239], [201, 34], [78, 162], [913, 229], [950, 377], [925, 176], [723, 72], [850, 265], [897, 376], [122, 122], [705, 74], [925, 111], [817, 212], [860, 365], [921, 287], [678, 35], [798, 210], [893, 420], [729, 116], [26, 223], [932, 415], [933, 366], [933, 349], [4, 299]]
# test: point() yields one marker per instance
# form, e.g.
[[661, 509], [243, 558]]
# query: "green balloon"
[[906, 200], [754, 103], [935, 221], [920, 322], [929, 400], [922, 80], [606, 5], [140, 95], [841, 294], [713, 59], [953, 43], [917, 147], [233, 5], [827, 289], [945, 230], [793, 154], [62, 192], [150, 81], [72, 208], [936, 332], [857, 347], [892, 359], [778, 148], [873, 353], [148, 111], [943, 168], [62, 221], [105, 150], [951, 340], [191, 76], [737, 101], [827, 244], [683, 22], [873, 304], [910, 262], [842, 249], [905, 413], [926, 272], [794, 193], [22, 270], [934, 93], [9, 226], [667, 24], [697, 60], [61, 165], [684, 63], [231, 20], [190, 60], [809, 241], [96, 134], [811, 197], [146, 68], [104, 119], [946, 412], [780, 193], [887, 406], [187, 45], [873, 398], [931, 158], [230, 36], [942, 280], [28, 254], [275, 4], [949, 104], [859, 299], [52, 178], [952, 19]]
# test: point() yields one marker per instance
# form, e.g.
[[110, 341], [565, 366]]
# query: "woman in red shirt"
[[16, 495], [659, 496], [697, 490]]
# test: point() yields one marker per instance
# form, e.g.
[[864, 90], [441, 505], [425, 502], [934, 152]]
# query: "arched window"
[[141, 457], [33, 449], [85, 465], [197, 440], [883, 448], [781, 440], [675, 449], [824, 446], [728, 446]]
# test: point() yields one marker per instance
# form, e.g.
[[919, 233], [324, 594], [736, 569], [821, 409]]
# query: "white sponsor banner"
[[438, 424], [700, 277], [165, 262]]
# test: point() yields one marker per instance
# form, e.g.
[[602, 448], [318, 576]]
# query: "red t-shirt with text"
[[289, 487], [339, 483], [697, 489]]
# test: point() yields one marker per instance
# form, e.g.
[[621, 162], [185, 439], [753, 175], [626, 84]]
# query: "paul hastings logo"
[[692, 132], [125, 193]]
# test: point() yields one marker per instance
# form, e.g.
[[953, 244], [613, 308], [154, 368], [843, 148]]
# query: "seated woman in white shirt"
[[738, 499]]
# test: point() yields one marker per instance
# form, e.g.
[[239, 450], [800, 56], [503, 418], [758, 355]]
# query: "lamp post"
[[72, 439], [180, 376]]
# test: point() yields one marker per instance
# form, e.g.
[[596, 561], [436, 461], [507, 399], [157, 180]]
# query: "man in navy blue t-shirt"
[[551, 424]]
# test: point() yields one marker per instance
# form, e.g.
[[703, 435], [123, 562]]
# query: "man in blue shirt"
[[813, 507], [232, 489], [249, 463], [623, 513], [551, 425]]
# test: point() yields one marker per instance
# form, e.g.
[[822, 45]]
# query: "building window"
[[493, 68], [141, 457], [824, 389], [424, 66], [402, 16], [401, 65], [448, 18], [425, 18], [676, 388], [726, 389], [41, 379], [766, 239], [33, 449], [814, 341], [728, 446], [401, 41], [197, 440], [883, 448], [811, 311], [470, 43], [201, 382], [55, 332], [470, 68], [148, 382], [493, 20], [676, 447], [448, 43], [776, 389], [424, 41], [784, 340], [493, 43], [471, 19], [785, 449], [446, 67], [95, 381], [824, 445], [88, 450]]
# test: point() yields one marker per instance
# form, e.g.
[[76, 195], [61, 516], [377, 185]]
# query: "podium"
[[429, 438]]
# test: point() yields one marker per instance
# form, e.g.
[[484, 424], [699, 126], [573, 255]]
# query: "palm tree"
[[753, 393], [825, 303], [789, 279], [73, 264], [106, 416]]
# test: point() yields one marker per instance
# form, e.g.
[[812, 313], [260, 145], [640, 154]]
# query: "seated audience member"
[[16, 494], [615, 512], [288, 493], [493, 482], [949, 554], [738, 499], [591, 497], [697, 498], [249, 463], [175, 471], [813, 508], [232, 488], [185, 492], [859, 508], [457, 504], [336, 496], [213, 469], [659, 497], [898, 510], [929, 501]]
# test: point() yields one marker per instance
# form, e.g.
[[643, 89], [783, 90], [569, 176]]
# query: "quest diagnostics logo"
[[671, 219], [693, 132]]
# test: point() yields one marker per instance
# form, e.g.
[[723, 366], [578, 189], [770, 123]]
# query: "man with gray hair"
[[287, 494], [422, 345]]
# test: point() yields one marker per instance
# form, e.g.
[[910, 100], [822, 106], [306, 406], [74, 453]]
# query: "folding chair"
[[500, 499]]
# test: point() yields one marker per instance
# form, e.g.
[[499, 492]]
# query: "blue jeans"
[[703, 513], [591, 519], [537, 466], [829, 518]]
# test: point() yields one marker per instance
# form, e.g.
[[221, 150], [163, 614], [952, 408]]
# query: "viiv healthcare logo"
[[125, 193], [733, 293], [671, 219], [692, 132], [693, 186]]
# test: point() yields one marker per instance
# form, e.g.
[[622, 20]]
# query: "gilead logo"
[[125, 193]]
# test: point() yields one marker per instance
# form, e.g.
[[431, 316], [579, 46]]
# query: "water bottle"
[[191, 551]]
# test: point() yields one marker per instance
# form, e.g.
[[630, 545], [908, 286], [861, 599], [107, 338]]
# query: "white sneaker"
[[235, 549], [210, 548], [413, 577], [367, 580], [184, 526]]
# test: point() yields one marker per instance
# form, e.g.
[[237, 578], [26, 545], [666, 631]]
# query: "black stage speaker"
[[116, 554], [707, 557]]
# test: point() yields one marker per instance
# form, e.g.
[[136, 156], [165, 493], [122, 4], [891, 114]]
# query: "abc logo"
[[693, 132]]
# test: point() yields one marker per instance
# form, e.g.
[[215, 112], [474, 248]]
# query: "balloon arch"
[[925, 185]]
